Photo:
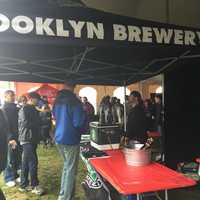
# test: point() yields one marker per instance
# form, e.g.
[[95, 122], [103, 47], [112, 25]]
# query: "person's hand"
[[121, 144], [123, 141], [126, 140], [53, 122], [39, 109], [13, 144]]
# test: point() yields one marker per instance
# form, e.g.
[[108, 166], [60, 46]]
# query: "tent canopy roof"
[[99, 60]]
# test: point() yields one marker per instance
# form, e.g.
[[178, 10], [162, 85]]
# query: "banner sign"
[[83, 26]]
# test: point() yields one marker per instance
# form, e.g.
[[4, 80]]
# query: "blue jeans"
[[70, 155], [29, 165], [129, 197], [13, 164]]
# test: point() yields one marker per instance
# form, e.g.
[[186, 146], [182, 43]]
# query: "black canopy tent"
[[51, 44]]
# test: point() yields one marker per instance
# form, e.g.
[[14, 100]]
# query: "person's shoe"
[[26, 189], [18, 180], [180, 167], [11, 184], [37, 190]]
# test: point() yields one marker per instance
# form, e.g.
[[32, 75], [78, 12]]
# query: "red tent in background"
[[46, 90]]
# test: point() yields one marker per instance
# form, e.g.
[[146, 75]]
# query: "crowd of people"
[[28, 122], [143, 116], [111, 110], [25, 124]]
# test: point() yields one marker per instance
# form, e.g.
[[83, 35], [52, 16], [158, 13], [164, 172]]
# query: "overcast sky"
[[181, 12]]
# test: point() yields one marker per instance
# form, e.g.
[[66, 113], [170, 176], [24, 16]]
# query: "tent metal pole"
[[13, 63], [13, 59], [48, 77], [53, 60], [173, 61], [13, 70], [82, 59], [13, 74], [110, 65], [60, 69], [150, 64], [190, 56], [125, 120], [163, 130]]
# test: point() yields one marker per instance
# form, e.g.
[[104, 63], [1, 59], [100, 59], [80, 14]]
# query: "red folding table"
[[136, 180]]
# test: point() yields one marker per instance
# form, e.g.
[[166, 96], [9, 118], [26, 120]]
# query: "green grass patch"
[[50, 169]]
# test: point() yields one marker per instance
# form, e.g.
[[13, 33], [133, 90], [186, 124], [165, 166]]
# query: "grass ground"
[[50, 168]]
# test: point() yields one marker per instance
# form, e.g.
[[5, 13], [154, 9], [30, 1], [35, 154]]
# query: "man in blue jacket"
[[70, 120]]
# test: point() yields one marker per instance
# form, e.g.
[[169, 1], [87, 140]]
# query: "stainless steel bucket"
[[136, 157]]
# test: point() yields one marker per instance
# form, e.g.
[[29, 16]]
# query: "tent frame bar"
[[172, 61], [82, 59], [84, 73]]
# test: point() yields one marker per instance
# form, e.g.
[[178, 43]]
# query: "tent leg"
[[125, 120], [162, 128], [166, 195]]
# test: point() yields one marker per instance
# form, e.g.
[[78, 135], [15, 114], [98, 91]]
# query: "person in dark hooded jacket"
[[70, 120], [136, 124], [3, 145]]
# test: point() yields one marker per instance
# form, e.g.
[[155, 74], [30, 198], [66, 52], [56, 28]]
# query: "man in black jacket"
[[29, 137], [13, 160], [3, 145]]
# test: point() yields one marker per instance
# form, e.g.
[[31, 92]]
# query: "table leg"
[[166, 195], [199, 169]]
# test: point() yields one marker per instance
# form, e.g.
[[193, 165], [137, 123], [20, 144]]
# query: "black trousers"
[[29, 165]]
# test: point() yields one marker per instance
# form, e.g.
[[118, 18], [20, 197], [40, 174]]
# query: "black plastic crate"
[[105, 134]]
